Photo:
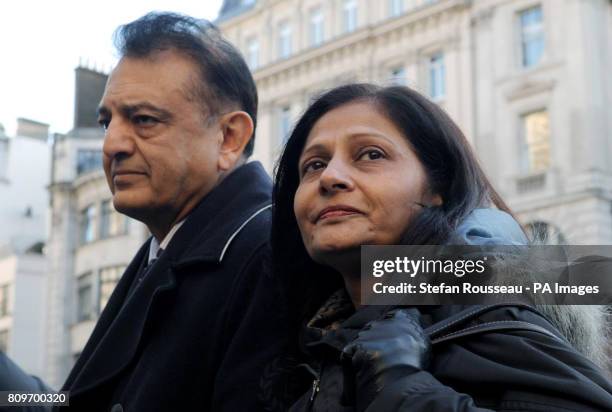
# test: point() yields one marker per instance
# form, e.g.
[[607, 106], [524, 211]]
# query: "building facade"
[[23, 286], [24, 177], [526, 80], [25, 165], [90, 243]]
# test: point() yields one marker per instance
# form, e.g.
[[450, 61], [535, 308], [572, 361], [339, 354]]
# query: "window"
[[396, 7], [532, 36], [108, 280], [284, 40], [437, 77], [535, 147], [398, 76], [88, 160], [84, 297], [253, 53], [112, 223], [4, 340], [4, 300], [284, 123], [317, 34], [349, 15], [88, 224]]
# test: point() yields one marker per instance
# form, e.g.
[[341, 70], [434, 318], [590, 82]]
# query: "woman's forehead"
[[351, 122]]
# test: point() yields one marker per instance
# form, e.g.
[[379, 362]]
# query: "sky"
[[42, 42]]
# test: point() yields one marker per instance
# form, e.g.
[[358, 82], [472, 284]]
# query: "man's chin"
[[131, 207]]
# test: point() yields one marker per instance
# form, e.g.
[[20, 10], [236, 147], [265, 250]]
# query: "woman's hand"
[[384, 351]]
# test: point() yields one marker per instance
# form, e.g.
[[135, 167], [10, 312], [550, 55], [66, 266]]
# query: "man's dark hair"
[[225, 79]]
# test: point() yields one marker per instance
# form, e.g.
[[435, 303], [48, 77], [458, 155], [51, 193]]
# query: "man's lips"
[[125, 178], [127, 172], [336, 211]]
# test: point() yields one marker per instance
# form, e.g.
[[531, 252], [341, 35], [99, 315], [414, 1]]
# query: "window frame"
[[253, 48], [526, 162], [350, 16], [436, 71], [526, 31], [285, 40], [316, 25], [284, 123], [5, 307], [85, 282], [395, 8], [88, 160], [92, 224]]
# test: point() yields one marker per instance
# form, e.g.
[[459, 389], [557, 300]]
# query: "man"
[[196, 316]]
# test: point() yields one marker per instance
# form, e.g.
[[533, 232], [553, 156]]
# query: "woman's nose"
[[336, 177]]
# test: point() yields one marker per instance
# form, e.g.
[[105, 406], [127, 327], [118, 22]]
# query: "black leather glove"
[[385, 350]]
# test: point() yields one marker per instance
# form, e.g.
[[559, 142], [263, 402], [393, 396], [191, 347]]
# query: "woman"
[[370, 165]]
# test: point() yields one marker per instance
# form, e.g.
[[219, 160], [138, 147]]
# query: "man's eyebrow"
[[102, 111], [129, 109]]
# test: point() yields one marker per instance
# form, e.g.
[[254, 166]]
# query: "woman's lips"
[[337, 211]]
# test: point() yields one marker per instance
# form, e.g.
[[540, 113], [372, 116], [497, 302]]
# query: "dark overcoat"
[[196, 332]]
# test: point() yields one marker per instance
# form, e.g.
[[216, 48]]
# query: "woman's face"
[[360, 182]]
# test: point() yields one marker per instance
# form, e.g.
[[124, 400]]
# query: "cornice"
[[353, 43]]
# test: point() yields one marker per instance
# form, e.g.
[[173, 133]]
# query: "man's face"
[[160, 149]]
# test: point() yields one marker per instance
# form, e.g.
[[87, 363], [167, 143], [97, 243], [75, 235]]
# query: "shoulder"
[[251, 239], [515, 359]]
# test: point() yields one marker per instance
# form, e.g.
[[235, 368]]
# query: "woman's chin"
[[334, 254]]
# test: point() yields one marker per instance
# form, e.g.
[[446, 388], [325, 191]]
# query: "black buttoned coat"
[[197, 331]]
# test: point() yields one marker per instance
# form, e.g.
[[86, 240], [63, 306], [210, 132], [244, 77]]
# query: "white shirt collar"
[[155, 245]]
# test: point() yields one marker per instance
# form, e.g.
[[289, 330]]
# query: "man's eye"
[[312, 166], [104, 123], [144, 120], [372, 154]]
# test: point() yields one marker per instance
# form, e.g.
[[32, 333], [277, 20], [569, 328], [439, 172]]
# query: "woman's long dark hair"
[[451, 168]]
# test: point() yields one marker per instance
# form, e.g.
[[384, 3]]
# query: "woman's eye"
[[312, 166], [372, 154]]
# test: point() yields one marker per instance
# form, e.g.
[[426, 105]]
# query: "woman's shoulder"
[[513, 359]]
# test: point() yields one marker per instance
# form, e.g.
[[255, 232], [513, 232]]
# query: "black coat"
[[198, 329], [501, 371]]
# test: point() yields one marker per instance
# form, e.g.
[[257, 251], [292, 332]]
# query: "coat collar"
[[337, 323], [213, 224], [205, 237]]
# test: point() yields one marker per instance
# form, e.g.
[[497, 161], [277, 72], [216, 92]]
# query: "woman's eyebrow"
[[372, 134], [316, 148]]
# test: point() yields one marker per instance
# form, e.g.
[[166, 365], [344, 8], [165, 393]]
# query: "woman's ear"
[[237, 128]]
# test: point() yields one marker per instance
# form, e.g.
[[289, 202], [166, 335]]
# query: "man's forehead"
[[137, 79]]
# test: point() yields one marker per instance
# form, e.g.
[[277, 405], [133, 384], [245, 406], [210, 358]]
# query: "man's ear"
[[237, 128]]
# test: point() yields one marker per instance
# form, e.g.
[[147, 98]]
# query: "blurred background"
[[528, 81]]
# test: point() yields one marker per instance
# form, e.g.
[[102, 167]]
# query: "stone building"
[[527, 81], [90, 244], [24, 177]]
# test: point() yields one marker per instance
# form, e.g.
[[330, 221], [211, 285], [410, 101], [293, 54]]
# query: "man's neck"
[[160, 226]]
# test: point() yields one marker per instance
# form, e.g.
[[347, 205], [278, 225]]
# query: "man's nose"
[[118, 140], [335, 177]]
